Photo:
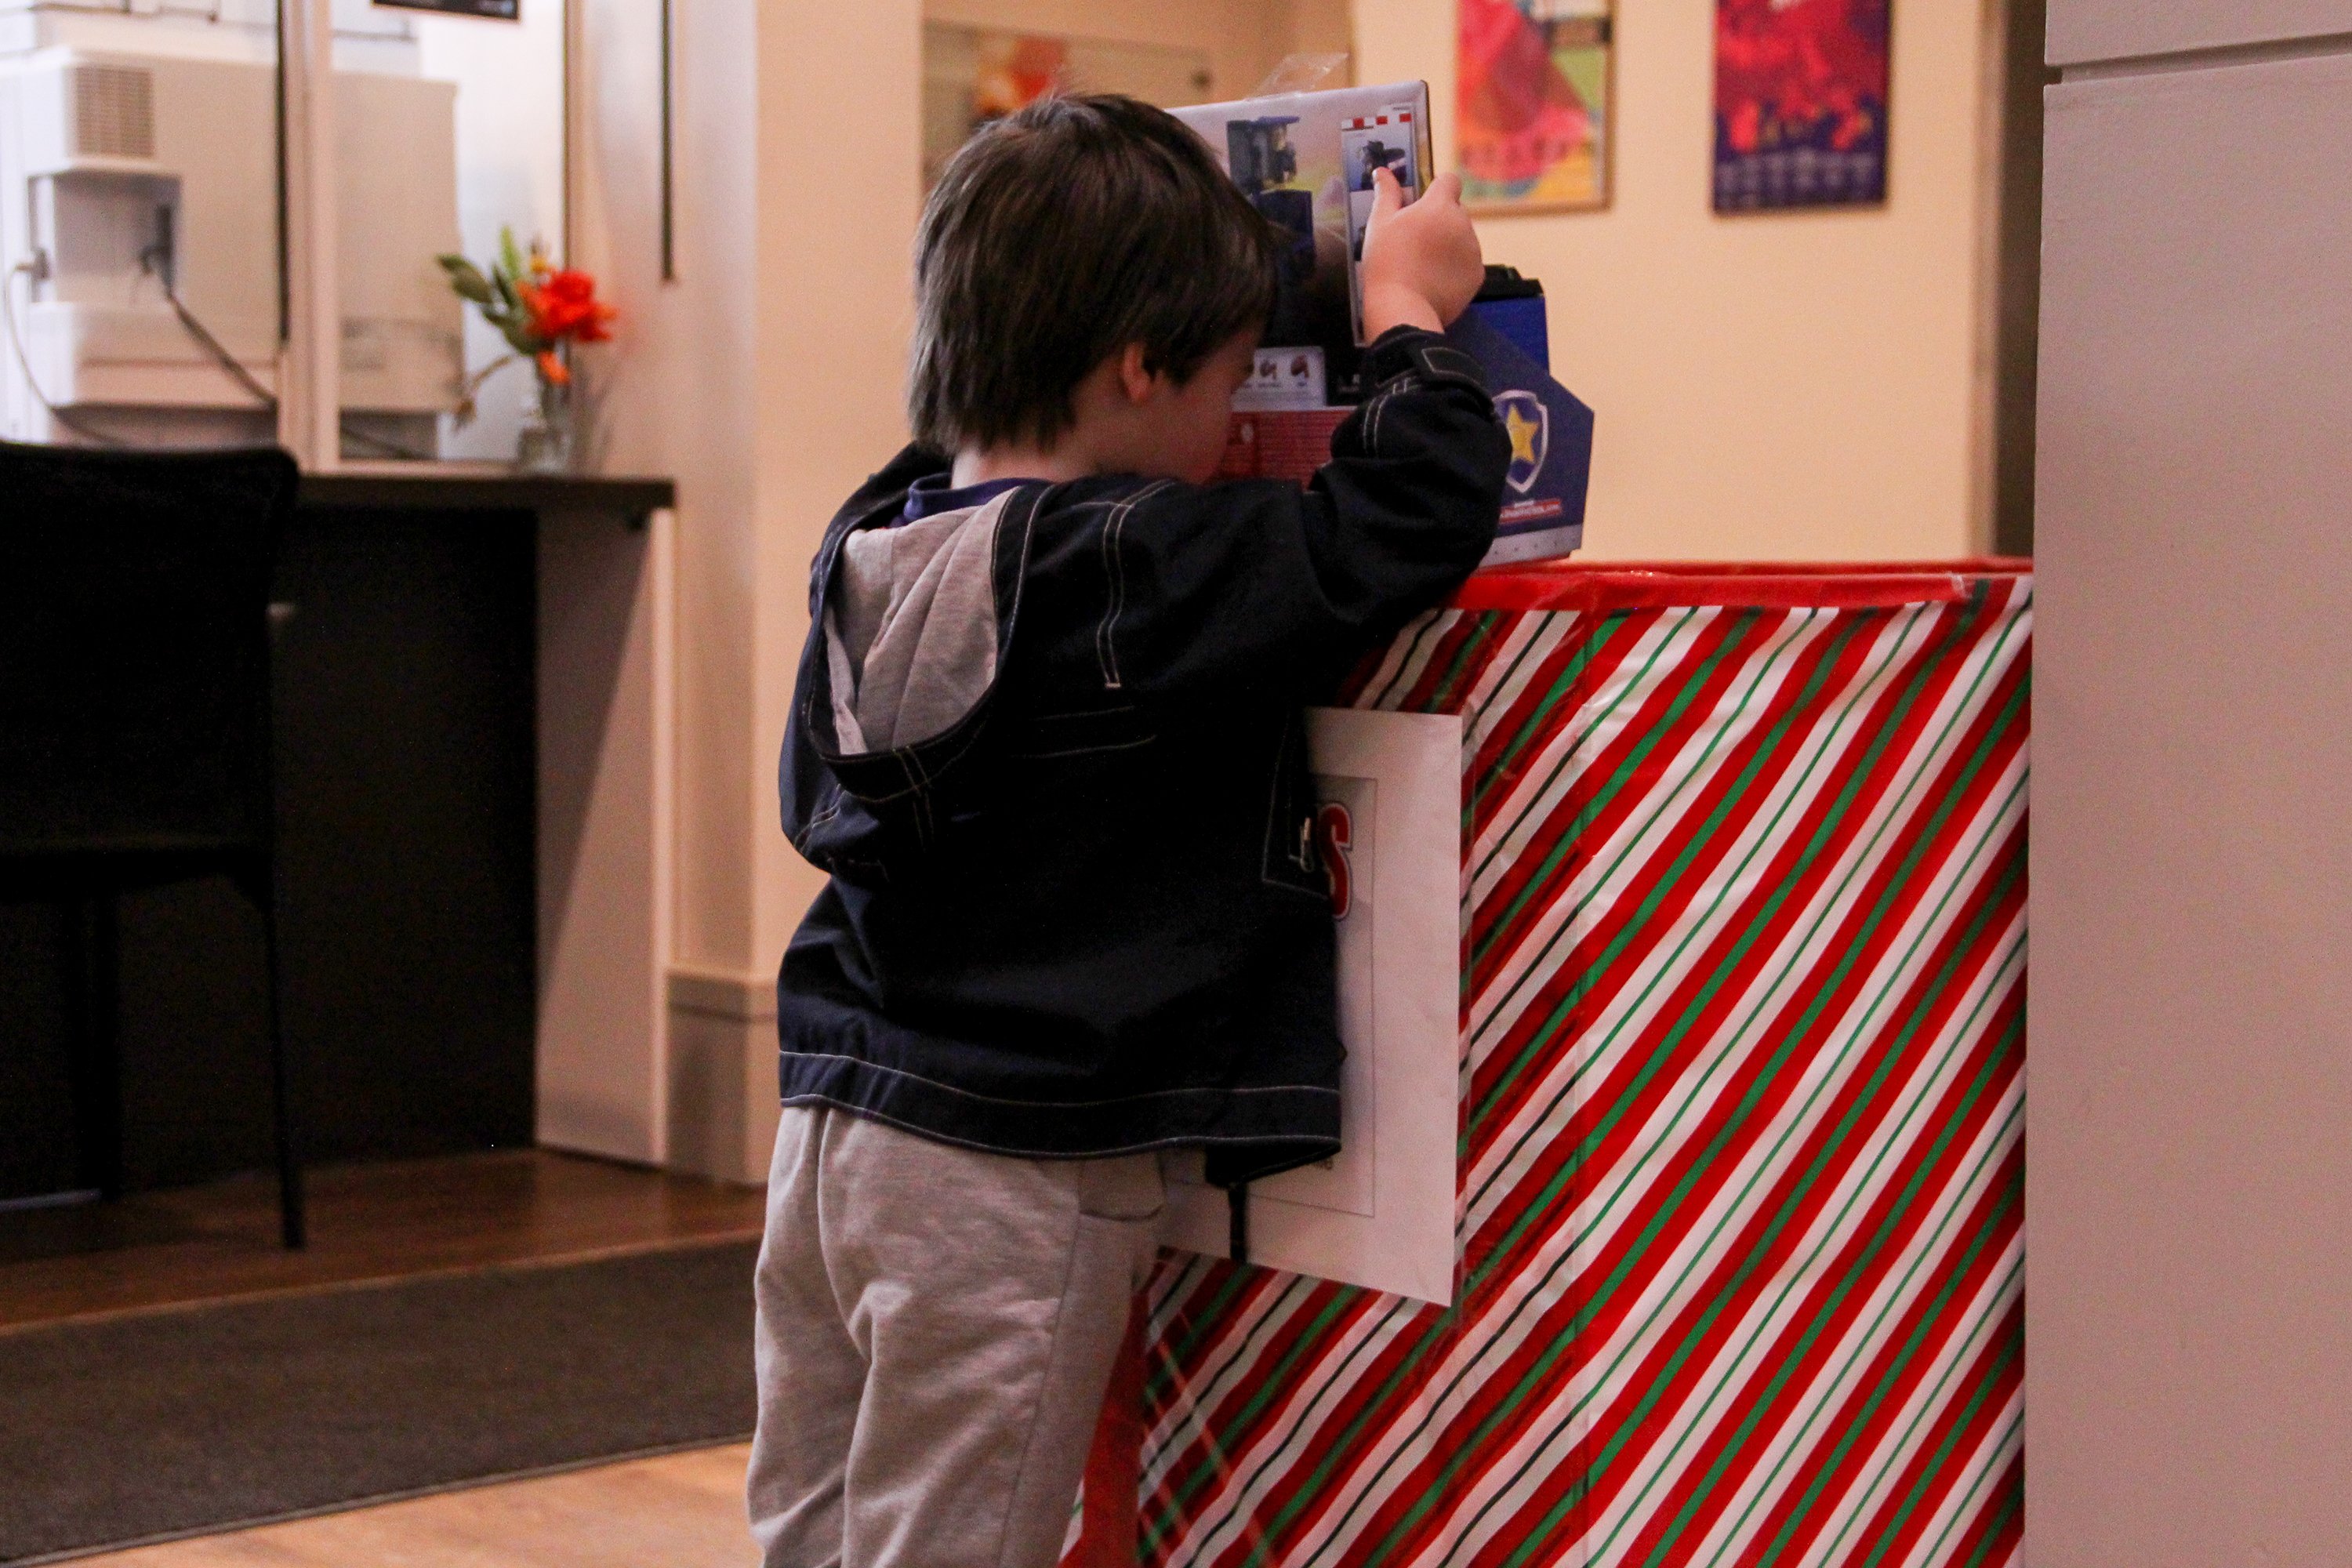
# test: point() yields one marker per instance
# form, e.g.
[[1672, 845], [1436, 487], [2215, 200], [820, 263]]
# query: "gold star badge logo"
[[1523, 432]]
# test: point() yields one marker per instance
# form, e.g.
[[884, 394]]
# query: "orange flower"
[[564, 306], [557, 372]]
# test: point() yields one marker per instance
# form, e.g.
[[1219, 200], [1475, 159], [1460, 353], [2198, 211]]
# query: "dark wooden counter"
[[446, 488], [407, 781]]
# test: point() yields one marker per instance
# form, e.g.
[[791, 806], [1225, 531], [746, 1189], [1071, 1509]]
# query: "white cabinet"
[[2082, 31], [2189, 1175]]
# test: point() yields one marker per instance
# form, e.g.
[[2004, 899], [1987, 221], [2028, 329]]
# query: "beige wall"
[[767, 380], [1791, 386], [681, 373], [681, 376], [1244, 39], [831, 337], [1768, 387]]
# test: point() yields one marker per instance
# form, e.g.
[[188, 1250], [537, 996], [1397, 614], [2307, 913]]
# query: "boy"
[[1047, 739]]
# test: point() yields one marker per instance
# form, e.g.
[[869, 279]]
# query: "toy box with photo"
[[1306, 162]]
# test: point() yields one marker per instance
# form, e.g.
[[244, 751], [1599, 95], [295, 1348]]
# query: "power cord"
[[212, 345], [156, 261], [351, 432], [33, 270]]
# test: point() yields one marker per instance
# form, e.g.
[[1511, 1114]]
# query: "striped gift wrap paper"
[[1738, 1214]]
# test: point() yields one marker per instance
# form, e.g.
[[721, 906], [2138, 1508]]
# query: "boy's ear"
[[1136, 378]]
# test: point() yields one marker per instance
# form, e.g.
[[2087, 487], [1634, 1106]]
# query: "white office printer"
[[138, 147]]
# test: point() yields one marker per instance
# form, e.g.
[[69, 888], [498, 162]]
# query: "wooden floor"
[[367, 1222], [681, 1510]]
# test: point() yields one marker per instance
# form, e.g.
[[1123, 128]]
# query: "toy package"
[[1305, 161]]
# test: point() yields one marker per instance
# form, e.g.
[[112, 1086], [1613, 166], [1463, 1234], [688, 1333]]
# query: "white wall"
[[509, 79], [1782, 386]]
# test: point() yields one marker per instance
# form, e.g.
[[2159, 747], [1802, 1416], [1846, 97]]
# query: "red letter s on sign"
[[1334, 834]]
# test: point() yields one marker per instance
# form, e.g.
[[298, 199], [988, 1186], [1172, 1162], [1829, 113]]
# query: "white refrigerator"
[[2188, 1147]]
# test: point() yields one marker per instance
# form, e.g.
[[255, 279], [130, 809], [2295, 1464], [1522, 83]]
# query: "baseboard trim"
[[727, 993], [721, 1072]]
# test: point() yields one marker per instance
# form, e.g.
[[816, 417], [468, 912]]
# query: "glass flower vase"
[[549, 440]]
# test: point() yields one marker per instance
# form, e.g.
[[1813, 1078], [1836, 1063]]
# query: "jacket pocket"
[[1121, 727]]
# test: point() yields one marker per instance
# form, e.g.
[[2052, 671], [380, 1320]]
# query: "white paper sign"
[[1381, 1214]]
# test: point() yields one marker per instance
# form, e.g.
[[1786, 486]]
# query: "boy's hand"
[[1422, 263]]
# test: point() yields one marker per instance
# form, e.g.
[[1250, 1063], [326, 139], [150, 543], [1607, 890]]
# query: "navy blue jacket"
[[1087, 917]]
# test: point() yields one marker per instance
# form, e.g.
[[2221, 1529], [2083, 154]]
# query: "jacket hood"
[[911, 628]]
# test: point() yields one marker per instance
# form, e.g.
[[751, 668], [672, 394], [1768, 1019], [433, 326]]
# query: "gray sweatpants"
[[935, 1331]]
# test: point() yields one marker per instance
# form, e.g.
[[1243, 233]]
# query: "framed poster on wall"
[[1800, 96], [1533, 84]]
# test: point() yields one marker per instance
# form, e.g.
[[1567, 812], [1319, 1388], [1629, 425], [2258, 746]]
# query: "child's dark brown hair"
[[1056, 237]]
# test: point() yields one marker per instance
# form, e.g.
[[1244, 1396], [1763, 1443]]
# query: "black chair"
[[134, 721]]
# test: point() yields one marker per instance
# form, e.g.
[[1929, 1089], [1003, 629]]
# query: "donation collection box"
[[1679, 1221]]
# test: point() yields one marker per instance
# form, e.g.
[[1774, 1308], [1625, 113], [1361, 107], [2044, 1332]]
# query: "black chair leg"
[[292, 1226], [93, 952]]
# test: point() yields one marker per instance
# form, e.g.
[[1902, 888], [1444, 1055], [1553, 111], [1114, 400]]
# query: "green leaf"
[[524, 339], [466, 279], [511, 259]]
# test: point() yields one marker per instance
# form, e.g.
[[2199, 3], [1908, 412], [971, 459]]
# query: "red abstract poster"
[[1532, 121], [1800, 92]]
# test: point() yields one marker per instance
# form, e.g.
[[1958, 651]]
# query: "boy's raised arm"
[[1297, 584], [1257, 582]]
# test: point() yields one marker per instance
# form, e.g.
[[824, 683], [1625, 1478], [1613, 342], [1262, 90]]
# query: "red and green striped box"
[[1743, 1034]]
